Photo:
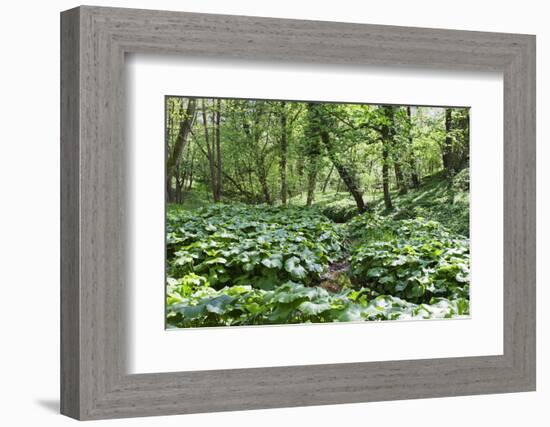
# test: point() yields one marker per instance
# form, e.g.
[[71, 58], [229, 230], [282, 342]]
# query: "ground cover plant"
[[292, 212]]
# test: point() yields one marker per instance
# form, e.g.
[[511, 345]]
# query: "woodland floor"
[[235, 264]]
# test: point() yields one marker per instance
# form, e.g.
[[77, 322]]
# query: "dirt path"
[[336, 278]]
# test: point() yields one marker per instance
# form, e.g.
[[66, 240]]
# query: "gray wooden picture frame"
[[94, 382]]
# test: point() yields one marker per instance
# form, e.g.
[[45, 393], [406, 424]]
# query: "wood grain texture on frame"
[[94, 270]]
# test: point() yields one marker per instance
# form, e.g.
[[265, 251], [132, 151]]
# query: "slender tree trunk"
[[253, 132], [386, 143], [283, 155], [396, 155], [179, 187], [325, 184], [209, 153], [230, 179], [348, 177], [300, 172], [386, 179], [174, 157], [319, 123], [250, 180], [262, 176], [415, 181], [448, 144], [187, 168], [191, 168], [399, 177], [262, 169], [314, 152], [311, 181], [218, 152], [172, 109], [169, 191], [184, 181], [464, 155], [339, 185]]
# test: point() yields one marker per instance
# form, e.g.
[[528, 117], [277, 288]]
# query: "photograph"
[[295, 212], [343, 201]]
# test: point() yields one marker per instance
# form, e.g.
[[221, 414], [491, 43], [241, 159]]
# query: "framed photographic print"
[[259, 232], [304, 212]]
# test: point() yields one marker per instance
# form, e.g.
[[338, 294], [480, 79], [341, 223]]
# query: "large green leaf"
[[219, 304], [273, 261], [313, 309], [292, 265]]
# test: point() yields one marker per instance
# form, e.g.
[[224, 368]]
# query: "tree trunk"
[[325, 184], [386, 180], [415, 181], [399, 177], [283, 155], [386, 143], [218, 153], [311, 181], [300, 172], [169, 191], [191, 167], [348, 177], [464, 156], [179, 186], [209, 153], [230, 179], [448, 144], [314, 152], [174, 157], [262, 169], [265, 187]]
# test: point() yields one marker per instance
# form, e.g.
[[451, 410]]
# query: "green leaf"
[[375, 272], [268, 281], [218, 260], [352, 313], [273, 261], [292, 265], [385, 280], [189, 312], [400, 260], [284, 311], [313, 309], [286, 297], [219, 304], [417, 290], [401, 286], [249, 266], [184, 259]]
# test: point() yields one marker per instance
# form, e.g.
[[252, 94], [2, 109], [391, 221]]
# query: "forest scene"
[[287, 212]]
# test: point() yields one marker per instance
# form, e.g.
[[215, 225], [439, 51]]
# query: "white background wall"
[[29, 214]]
